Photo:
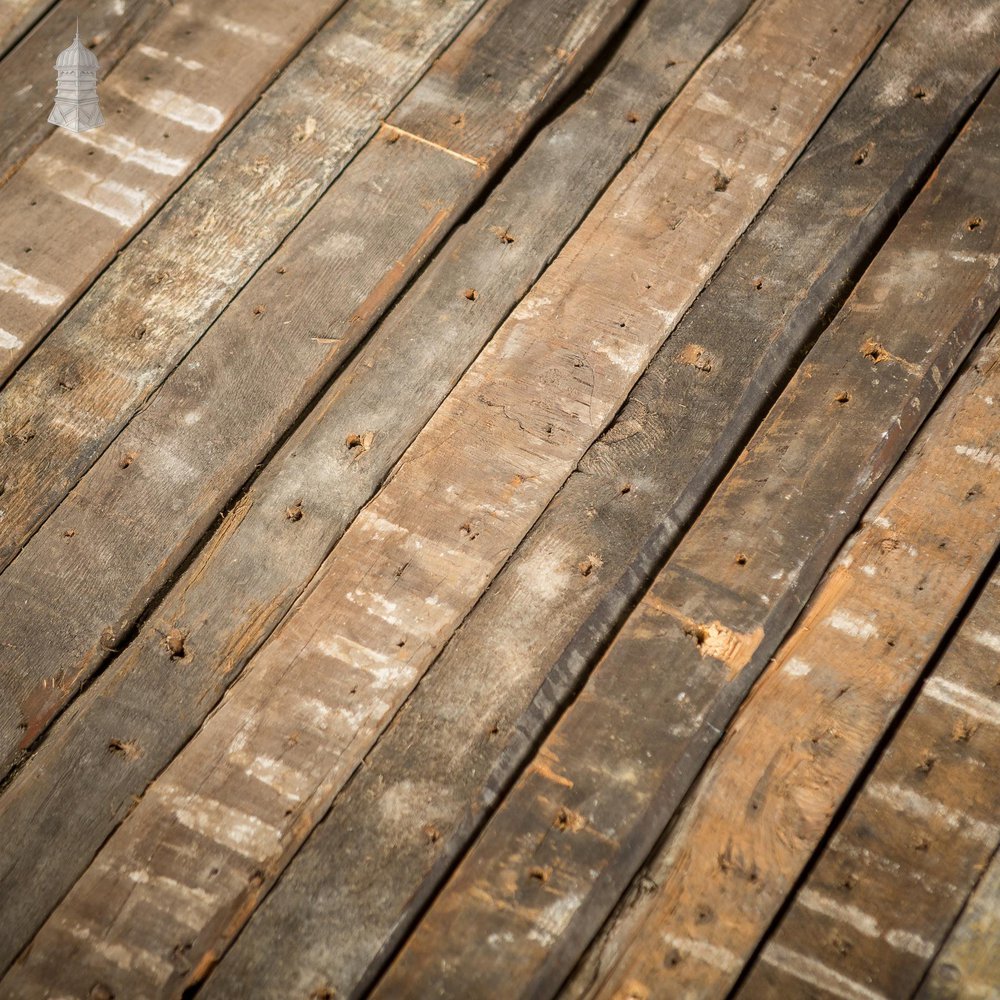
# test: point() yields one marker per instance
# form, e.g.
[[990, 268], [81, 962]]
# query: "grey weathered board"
[[397, 826], [28, 77], [165, 108], [182, 457], [695, 914], [237, 595], [304, 709], [16, 20], [894, 876], [575, 828]]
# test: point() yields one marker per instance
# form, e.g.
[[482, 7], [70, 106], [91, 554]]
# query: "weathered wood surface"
[[699, 909], [368, 624], [163, 114], [16, 19], [895, 875], [574, 830], [28, 77], [968, 967], [168, 287], [237, 596], [182, 458], [401, 820]]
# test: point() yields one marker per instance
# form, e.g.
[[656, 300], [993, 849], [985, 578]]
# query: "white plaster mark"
[[809, 970], [988, 639], [27, 287], [154, 53], [249, 31], [908, 801], [9, 342], [127, 151], [702, 951], [850, 624], [984, 456], [247, 835], [960, 697], [181, 109], [795, 667]]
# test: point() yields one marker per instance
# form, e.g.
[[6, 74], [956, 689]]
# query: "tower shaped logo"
[[76, 106]]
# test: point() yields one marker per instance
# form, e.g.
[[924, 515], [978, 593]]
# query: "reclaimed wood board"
[[968, 966], [230, 598], [574, 830], [327, 730], [182, 458], [162, 116], [16, 20], [699, 909], [28, 77], [404, 816]]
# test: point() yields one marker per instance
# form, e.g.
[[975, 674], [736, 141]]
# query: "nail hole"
[[721, 181], [741, 559], [919, 94], [471, 294], [294, 513], [861, 156], [174, 641], [842, 397], [974, 223]]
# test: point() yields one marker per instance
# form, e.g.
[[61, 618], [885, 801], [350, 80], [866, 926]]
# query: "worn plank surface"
[[28, 77], [162, 117], [230, 598], [619, 760], [304, 719], [404, 816], [181, 459], [16, 19], [968, 967], [698, 910]]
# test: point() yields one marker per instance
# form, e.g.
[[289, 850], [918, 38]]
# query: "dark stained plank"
[[968, 967], [574, 830], [245, 792], [162, 117], [28, 77], [196, 442], [370, 865], [700, 907], [236, 595]]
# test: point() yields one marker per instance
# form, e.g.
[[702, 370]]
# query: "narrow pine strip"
[[405, 815], [968, 967], [16, 19], [27, 75], [574, 830], [76, 210], [893, 878], [197, 441], [791, 755], [232, 597], [508, 436]]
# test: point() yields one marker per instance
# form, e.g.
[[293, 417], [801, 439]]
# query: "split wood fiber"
[[178, 462], [619, 760], [162, 116], [502, 443], [968, 967], [108, 356], [272, 541], [28, 77], [699, 909], [16, 19], [403, 818]]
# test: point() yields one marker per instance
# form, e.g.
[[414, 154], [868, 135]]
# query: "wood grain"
[[499, 443], [799, 742], [27, 74], [231, 598], [619, 760], [16, 19], [402, 819], [968, 967], [76, 210]]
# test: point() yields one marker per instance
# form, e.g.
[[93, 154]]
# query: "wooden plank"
[[801, 740], [325, 275], [27, 75], [239, 596], [888, 887], [16, 19], [345, 634], [618, 761], [332, 922], [163, 116], [968, 967]]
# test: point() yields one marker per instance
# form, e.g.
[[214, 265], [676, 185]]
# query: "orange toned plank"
[[968, 967], [79, 197], [795, 748], [502, 443], [588, 808]]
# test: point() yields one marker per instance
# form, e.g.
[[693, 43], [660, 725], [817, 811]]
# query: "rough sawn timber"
[[404, 816], [75, 785], [310, 724], [790, 757], [16, 19], [566, 841]]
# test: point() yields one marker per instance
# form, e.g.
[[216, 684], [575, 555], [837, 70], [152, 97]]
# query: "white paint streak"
[[988, 639], [960, 697], [154, 53], [702, 951], [816, 973], [909, 801], [850, 624], [26, 287], [9, 342], [248, 835], [181, 109], [795, 667], [127, 151], [981, 455]]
